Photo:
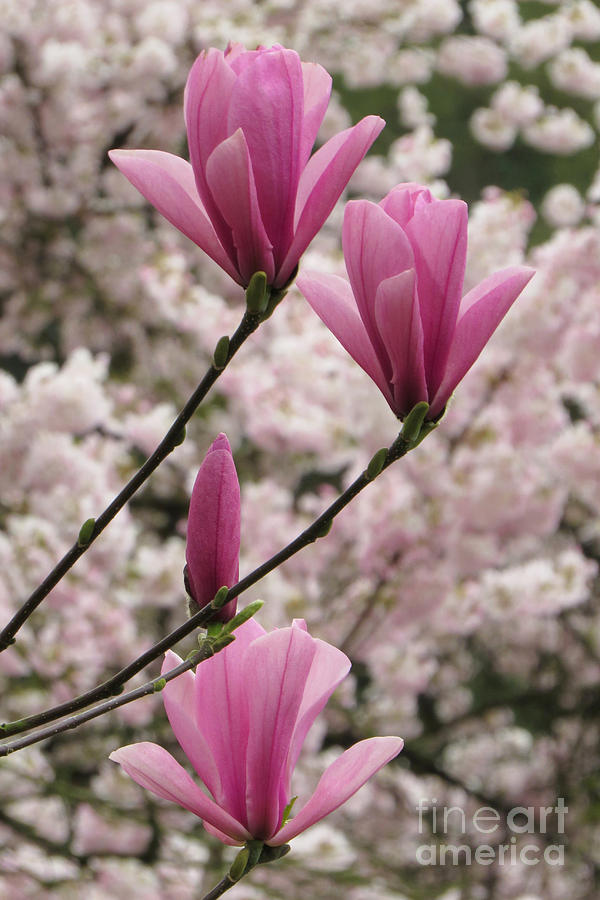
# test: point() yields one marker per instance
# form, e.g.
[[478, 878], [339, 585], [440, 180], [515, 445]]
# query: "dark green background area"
[[522, 168]]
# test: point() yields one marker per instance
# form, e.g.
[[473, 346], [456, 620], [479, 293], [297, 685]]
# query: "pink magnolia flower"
[[402, 317], [213, 529], [253, 197], [241, 720]]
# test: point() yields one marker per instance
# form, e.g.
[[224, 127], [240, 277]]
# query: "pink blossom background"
[[462, 584]]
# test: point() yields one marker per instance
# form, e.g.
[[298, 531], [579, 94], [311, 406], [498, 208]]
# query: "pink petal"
[[155, 769], [329, 667], [213, 530], [268, 105], [208, 91], [399, 323], [180, 705], [220, 835], [438, 234], [276, 669], [401, 200], [206, 100], [231, 182], [331, 298], [234, 51], [481, 311], [239, 58], [317, 90], [326, 175], [340, 781], [375, 248], [167, 182], [221, 712]]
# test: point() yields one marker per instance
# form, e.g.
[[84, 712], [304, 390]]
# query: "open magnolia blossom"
[[253, 197], [402, 317], [213, 528], [241, 720]]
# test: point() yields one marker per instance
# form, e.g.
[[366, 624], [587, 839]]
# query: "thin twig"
[[219, 889], [254, 853], [114, 685], [172, 438], [151, 687]]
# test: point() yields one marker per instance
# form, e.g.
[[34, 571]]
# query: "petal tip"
[[221, 442]]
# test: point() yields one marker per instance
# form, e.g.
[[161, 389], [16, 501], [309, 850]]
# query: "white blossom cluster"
[[462, 583]]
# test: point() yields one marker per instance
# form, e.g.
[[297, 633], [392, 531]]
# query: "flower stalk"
[[114, 685], [87, 534]]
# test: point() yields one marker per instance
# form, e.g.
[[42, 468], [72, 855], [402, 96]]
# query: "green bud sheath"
[[273, 302], [255, 849], [270, 854], [220, 598], [257, 294], [214, 629], [221, 353], [220, 642], [85, 532], [414, 422], [243, 615], [238, 866], [426, 429], [376, 464]]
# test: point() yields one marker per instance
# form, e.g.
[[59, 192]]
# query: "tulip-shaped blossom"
[[253, 197], [402, 317], [241, 721], [213, 528]]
